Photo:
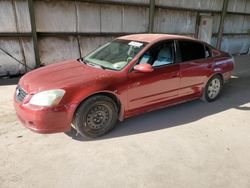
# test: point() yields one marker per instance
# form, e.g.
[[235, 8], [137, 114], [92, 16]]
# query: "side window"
[[159, 55], [191, 50], [208, 51]]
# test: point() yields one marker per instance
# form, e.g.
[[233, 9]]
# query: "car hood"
[[60, 75]]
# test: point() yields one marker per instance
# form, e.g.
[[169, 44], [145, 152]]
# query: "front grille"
[[20, 94]]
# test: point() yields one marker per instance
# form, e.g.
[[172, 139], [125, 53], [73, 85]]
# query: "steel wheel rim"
[[98, 117], [214, 88]]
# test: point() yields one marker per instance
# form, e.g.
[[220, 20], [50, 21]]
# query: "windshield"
[[115, 55]]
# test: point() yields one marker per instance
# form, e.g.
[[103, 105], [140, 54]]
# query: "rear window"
[[191, 50]]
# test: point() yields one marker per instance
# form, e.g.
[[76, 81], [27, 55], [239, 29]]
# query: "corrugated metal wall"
[[69, 29], [14, 17]]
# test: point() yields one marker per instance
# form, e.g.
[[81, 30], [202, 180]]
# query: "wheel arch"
[[216, 73], [219, 74], [109, 94]]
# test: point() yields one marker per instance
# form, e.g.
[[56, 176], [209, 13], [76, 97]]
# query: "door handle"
[[209, 66], [173, 75]]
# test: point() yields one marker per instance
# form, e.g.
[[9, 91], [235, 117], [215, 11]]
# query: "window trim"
[[210, 50], [153, 46], [173, 55]]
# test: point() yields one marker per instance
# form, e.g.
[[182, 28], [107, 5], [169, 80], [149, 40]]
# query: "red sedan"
[[128, 76]]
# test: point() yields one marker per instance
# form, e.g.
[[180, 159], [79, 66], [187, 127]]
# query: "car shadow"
[[235, 94]]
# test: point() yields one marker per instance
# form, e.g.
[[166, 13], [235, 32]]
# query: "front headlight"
[[47, 98]]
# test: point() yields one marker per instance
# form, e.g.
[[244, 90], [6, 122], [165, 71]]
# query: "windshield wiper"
[[95, 65], [86, 62], [81, 60]]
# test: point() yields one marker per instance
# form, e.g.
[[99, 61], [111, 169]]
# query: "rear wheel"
[[96, 116], [213, 89]]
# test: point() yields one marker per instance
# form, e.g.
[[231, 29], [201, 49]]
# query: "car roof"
[[150, 38]]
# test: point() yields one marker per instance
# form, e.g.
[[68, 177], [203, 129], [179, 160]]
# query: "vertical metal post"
[[197, 25], [151, 16], [34, 33], [221, 26]]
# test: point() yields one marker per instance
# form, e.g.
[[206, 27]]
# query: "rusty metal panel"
[[54, 49], [194, 4], [88, 44], [55, 16], [172, 21], [89, 17], [236, 5], [234, 24]]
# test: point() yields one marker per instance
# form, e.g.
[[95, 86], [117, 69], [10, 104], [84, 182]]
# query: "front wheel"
[[96, 116], [213, 89]]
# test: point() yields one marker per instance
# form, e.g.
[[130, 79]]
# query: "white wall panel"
[[7, 17], [234, 24], [111, 18], [172, 21], [23, 17], [135, 19], [89, 17], [247, 10], [88, 44], [15, 47], [234, 44], [14, 16], [54, 49], [237, 5], [133, 1], [246, 25], [196, 4], [78, 16], [58, 16], [216, 23], [28, 51]]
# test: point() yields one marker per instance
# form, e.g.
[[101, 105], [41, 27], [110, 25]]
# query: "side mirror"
[[144, 68]]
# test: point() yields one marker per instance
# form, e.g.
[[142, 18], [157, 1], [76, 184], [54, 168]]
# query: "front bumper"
[[45, 119]]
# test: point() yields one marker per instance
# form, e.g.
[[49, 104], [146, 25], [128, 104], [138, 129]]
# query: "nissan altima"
[[128, 76]]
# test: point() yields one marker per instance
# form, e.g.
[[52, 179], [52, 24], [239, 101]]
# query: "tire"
[[96, 116], [213, 89]]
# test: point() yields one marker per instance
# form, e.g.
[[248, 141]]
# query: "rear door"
[[195, 66]]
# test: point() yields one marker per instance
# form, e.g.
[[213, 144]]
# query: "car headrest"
[[165, 53]]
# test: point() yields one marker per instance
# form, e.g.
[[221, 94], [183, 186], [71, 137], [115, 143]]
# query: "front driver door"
[[161, 85]]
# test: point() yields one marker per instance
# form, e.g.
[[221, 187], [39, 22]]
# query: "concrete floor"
[[191, 145]]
